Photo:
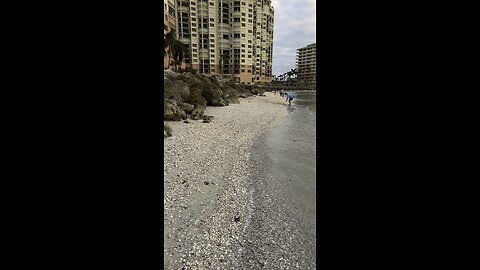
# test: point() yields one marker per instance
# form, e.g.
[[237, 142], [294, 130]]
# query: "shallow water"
[[282, 178], [292, 151]]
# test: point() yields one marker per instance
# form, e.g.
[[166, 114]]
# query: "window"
[[195, 55], [243, 70], [243, 3], [243, 14], [250, 15], [243, 19], [194, 24], [249, 41], [212, 51], [212, 19], [212, 55], [194, 14], [194, 45], [211, 3], [194, 50], [243, 35], [250, 20], [193, 8], [243, 55], [225, 36], [243, 45], [243, 25]]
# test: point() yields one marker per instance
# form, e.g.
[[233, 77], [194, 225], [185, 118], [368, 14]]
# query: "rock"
[[187, 107], [171, 110], [167, 131], [197, 113], [177, 90]]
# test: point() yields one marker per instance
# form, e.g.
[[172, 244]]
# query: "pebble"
[[201, 216]]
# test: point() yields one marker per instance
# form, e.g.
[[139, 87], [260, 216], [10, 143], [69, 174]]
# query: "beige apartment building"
[[232, 39], [307, 66]]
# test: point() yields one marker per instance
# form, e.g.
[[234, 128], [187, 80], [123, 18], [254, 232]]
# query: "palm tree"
[[176, 50], [168, 44], [179, 51]]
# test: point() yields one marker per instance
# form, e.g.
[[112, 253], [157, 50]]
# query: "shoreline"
[[207, 193]]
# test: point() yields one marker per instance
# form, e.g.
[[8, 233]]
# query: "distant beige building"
[[307, 65], [229, 38]]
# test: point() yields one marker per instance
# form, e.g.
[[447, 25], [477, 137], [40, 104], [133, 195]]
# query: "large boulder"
[[229, 94], [196, 97], [187, 107], [241, 90], [177, 90], [198, 112], [171, 111]]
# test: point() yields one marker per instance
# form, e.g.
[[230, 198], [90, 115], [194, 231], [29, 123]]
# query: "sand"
[[208, 196]]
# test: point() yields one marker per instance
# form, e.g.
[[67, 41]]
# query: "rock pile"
[[187, 95]]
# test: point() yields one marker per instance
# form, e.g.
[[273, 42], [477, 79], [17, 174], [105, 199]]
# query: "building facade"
[[231, 39], [307, 66]]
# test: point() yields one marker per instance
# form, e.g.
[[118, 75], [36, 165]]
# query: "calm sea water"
[[292, 150]]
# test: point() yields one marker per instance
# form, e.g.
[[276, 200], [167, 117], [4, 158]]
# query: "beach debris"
[[167, 131]]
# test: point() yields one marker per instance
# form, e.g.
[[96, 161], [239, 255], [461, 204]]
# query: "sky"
[[294, 28]]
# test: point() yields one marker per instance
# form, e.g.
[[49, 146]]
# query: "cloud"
[[294, 27]]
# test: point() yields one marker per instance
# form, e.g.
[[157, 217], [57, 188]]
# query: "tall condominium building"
[[169, 22], [307, 65], [232, 39]]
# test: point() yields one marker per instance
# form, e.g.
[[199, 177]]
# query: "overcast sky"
[[294, 27]]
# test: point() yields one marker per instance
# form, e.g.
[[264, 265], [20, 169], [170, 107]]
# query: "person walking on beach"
[[289, 98]]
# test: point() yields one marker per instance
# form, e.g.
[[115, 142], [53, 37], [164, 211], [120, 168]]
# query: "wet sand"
[[283, 230]]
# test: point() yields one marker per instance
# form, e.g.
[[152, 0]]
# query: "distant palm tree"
[[293, 72]]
